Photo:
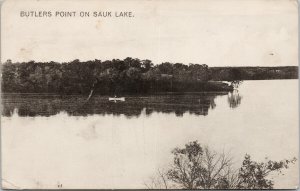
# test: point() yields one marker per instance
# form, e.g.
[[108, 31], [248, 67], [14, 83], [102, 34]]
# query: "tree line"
[[254, 73], [115, 77]]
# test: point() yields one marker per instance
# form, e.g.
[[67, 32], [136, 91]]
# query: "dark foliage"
[[198, 167], [253, 175], [129, 76], [254, 73], [108, 77]]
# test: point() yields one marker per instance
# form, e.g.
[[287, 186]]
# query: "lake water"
[[50, 140]]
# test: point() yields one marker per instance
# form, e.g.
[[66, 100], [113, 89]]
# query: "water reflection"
[[234, 99], [123, 153], [47, 105]]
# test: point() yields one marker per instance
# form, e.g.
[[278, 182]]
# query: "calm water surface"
[[49, 140]]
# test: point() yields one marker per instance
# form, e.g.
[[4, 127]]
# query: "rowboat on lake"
[[116, 99]]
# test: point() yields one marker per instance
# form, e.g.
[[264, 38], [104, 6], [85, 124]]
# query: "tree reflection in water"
[[234, 99], [75, 105]]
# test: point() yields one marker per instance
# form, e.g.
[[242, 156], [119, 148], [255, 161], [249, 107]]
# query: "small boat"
[[116, 99]]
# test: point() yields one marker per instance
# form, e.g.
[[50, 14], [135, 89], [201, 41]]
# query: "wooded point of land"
[[129, 76]]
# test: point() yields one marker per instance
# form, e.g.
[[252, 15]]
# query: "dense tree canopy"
[[107, 77], [127, 76]]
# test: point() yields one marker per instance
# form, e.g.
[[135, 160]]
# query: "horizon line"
[[61, 62]]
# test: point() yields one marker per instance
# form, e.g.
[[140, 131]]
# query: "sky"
[[212, 32]]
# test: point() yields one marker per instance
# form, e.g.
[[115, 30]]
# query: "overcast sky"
[[213, 32]]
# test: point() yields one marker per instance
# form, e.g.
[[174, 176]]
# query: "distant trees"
[[197, 167], [105, 77], [254, 73], [130, 75]]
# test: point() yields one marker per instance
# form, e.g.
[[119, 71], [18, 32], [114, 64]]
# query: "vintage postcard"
[[149, 94]]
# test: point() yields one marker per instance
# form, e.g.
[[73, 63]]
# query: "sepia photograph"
[[149, 94]]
